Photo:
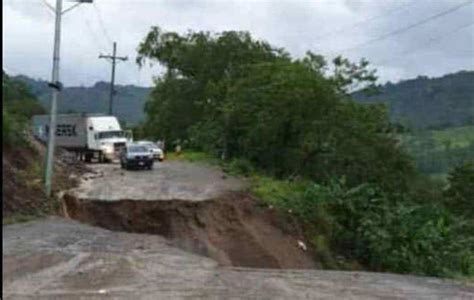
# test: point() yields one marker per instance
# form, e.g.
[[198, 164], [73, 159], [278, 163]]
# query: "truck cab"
[[105, 135]]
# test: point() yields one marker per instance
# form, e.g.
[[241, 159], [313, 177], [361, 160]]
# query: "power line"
[[367, 20], [51, 13], [92, 32], [429, 42], [406, 28], [101, 23]]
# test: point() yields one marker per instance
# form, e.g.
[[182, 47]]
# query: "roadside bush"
[[460, 194], [384, 232], [13, 127], [240, 166]]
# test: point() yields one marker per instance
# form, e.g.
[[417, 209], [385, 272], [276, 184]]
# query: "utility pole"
[[113, 58], [56, 85]]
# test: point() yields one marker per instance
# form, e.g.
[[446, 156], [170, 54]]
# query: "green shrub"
[[13, 129], [276, 192], [460, 195], [384, 232], [240, 166], [393, 233]]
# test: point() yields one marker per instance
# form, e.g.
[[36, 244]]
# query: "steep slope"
[[22, 173]]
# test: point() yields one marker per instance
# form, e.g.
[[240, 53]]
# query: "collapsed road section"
[[209, 217], [196, 207]]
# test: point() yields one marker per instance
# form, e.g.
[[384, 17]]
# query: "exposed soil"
[[22, 173], [232, 229]]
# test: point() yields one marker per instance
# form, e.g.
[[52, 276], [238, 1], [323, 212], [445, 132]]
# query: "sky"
[[401, 38]]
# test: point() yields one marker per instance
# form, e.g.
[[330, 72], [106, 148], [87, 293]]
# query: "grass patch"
[[191, 156], [456, 137], [274, 191], [20, 218], [32, 175]]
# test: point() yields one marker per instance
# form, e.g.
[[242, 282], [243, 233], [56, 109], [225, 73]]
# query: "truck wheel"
[[88, 157]]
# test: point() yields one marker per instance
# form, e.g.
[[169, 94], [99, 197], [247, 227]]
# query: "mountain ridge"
[[428, 103], [129, 100], [421, 102]]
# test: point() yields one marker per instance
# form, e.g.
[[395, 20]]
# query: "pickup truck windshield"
[[149, 145], [111, 134], [136, 149]]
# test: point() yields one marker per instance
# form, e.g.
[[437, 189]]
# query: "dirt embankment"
[[22, 171], [233, 229]]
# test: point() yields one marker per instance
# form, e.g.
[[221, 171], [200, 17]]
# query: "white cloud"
[[324, 26]]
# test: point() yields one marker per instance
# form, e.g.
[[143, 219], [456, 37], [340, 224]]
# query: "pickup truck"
[[136, 156]]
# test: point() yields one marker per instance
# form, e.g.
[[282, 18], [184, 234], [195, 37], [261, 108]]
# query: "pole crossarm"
[[123, 58]]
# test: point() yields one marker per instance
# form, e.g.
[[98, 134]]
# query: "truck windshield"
[[110, 134], [135, 149]]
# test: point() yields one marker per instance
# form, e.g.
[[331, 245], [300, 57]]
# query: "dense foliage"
[[460, 195], [18, 106], [429, 102], [388, 233], [231, 95], [437, 152], [262, 111]]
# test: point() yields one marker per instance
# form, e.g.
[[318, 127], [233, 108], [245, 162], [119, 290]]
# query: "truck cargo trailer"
[[89, 135]]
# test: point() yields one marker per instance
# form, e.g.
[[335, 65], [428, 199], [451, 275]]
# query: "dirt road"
[[179, 232], [168, 180], [61, 259]]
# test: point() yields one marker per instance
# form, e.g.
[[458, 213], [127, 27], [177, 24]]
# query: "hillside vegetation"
[[22, 158], [128, 101], [333, 165], [18, 105], [433, 103], [436, 152]]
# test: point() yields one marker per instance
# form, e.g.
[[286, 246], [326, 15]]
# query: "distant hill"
[[128, 102], [429, 102], [420, 103]]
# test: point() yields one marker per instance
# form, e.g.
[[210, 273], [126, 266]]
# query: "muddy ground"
[[180, 231]]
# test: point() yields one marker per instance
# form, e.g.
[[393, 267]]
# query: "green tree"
[[18, 106], [230, 94], [460, 194]]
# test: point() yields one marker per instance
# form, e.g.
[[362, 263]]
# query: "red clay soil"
[[233, 230]]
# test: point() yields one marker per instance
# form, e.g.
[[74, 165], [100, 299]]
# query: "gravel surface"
[[168, 180], [56, 258]]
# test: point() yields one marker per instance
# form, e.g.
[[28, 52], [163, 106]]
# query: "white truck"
[[88, 135]]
